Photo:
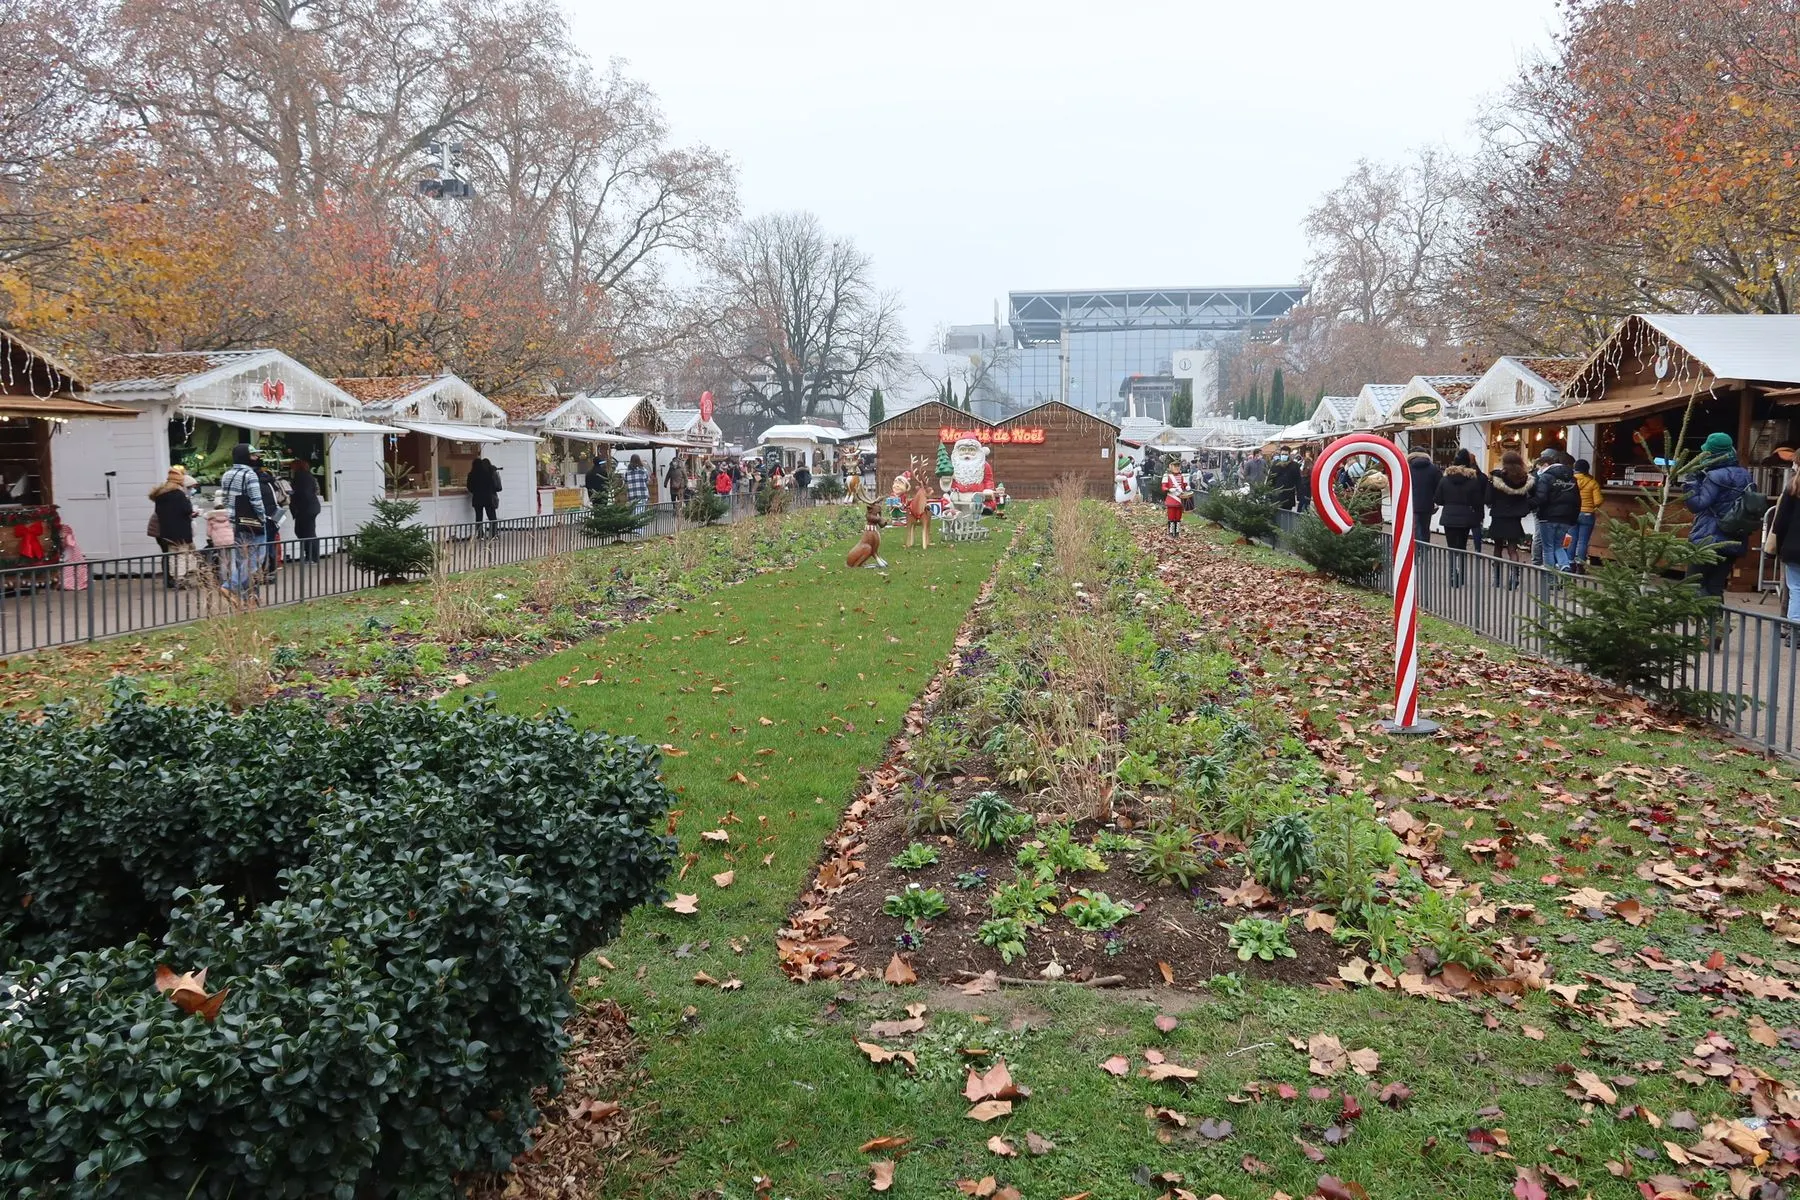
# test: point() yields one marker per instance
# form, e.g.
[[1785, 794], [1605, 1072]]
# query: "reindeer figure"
[[867, 551], [915, 498]]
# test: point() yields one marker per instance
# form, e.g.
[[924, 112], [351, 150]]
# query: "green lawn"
[[796, 680]]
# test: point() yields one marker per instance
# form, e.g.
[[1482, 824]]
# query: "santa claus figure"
[[971, 473]]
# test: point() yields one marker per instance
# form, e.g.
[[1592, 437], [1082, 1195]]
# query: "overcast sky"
[[977, 147]]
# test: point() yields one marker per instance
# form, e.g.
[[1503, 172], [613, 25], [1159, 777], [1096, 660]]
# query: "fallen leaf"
[[1214, 1131], [1366, 1062], [1168, 1070], [1037, 1144], [898, 972], [1168, 973], [1528, 1185], [1166, 1023], [976, 1187], [716, 835], [996, 1084], [881, 1054], [883, 1143], [1118, 1065], [987, 981], [988, 1110], [1595, 1088], [682, 903], [1395, 1094], [1762, 1033], [1002, 1147], [881, 1176], [1167, 1116], [894, 1029], [724, 878]]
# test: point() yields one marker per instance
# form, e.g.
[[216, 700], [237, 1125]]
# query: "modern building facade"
[[1115, 353]]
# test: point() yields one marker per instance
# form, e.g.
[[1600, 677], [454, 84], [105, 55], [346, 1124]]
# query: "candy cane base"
[[1419, 728]]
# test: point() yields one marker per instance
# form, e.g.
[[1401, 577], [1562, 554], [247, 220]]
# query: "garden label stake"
[[1406, 585]]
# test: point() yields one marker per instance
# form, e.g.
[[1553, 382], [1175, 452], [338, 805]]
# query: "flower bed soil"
[[1182, 929]]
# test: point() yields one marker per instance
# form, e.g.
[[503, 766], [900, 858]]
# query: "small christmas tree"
[[390, 546], [703, 505], [1353, 557], [944, 470], [1641, 625], [1250, 512], [612, 516]]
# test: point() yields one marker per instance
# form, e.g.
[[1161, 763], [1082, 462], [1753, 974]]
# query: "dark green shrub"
[[612, 516], [989, 820], [704, 506], [1353, 557], [1168, 856], [391, 899], [828, 486], [1250, 512], [390, 546]]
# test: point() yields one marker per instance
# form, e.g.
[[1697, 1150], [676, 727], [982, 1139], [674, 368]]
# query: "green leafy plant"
[[358, 877], [1168, 856], [1095, 911], [1438, 922], [989, 820], [1110, 841], [970, 880], [1027, 898], [1350, 848], [914, 857], [1254, 937], [1228, 984], [928, 810], [1005, 934], [938, 749], [1064, 853], [389, 546], [1282, 853], [916, 904]]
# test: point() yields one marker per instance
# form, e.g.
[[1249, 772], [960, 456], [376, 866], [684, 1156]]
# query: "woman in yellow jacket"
[[1590, 509]]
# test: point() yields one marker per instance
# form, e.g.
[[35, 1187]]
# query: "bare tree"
[[802, 319]]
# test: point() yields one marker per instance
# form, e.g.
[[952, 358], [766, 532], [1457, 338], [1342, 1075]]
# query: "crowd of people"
[[1473, 507], [243, 523]]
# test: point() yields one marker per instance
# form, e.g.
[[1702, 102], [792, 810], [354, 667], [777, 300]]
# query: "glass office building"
[[1104, 350]]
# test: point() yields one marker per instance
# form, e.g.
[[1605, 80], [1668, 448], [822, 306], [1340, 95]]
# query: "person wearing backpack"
[[1727, 509], [1556, 499]]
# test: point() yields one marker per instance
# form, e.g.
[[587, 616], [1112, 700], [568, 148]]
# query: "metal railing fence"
[[60, 604], [1750, 660]]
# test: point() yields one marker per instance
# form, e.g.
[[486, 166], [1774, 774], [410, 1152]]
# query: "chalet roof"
[[1737, 346], [1557, 372], [1037, 408], [163, 371], [25, 368], [1339, 406], [530, 407], [376, 390], [617, 409]]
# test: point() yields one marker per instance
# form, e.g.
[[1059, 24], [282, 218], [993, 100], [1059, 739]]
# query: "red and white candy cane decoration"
[[1406, 591]]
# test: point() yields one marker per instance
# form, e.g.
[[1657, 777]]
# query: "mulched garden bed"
[[1181, 929]]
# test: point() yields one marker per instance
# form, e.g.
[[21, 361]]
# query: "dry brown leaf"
[[1168, 1070], [890, 1142], [988, 1110], [1118, 1065], [1167, 972], [987, 981], [898, 972], [1038, 1144], [716, 835], [1366, 1062], [979, 1188], [1002, 1147], [1595, 1088], [1762, 1033], [724, 879], [881, 1054], [894, 1029], [881, 1176], [996, 1084]]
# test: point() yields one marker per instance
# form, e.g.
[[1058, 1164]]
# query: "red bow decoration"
[[31, 540]]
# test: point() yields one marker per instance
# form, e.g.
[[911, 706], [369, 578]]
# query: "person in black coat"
[[1461, 501], [483, 485], [1787, 544], [272, 506], [1509, 503], [175, 515], [305, 505], [1425, 476], [1285, 478]]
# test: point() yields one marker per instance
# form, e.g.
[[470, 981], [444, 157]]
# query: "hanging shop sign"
[[1420, 408], [1024, 436], [706, 407]]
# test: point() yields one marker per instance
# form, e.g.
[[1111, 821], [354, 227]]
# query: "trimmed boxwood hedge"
[[392, 896]]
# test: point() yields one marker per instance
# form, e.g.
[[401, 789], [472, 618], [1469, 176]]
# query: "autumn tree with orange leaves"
[[246, 175]]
